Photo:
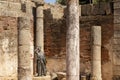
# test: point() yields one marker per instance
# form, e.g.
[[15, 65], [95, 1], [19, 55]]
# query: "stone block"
[[10, 5], [83, 77], [61, 75], [8, 78], [116, 19], [116, 47], [116, 4], [117, 34], [86, 10], [116, 57], [42, 78], [116, 27], [116, 41], [116, 11]]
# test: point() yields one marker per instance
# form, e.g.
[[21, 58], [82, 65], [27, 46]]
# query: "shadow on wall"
[[55, 34]]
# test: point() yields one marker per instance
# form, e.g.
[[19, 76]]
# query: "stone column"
[[72, 41], [25, 49], [96, 53], [39, 28]]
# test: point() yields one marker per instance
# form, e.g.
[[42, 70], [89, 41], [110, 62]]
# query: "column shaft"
[[25, 49], [39, 28], [96, 53], [72, 40]]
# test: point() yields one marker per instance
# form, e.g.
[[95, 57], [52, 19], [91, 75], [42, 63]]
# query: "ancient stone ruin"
[[25, 24]]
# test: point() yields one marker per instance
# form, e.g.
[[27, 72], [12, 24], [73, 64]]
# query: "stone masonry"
[[116, 40], [55, 38], [8, 46]]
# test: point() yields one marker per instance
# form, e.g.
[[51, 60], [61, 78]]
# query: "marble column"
[[96, 53]]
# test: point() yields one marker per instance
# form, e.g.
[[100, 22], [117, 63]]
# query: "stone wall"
[[9, 13], [55, 38], [8, 46], [11, 0], [116, 42]]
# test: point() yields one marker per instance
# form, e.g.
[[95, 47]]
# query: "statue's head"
[[38, 49]]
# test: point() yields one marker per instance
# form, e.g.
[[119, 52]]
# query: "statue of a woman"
[[41, 62]]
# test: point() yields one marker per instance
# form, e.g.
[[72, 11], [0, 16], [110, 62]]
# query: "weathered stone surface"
[[40, 28], [25, 52], [53, 76], [116, 58], [64, 79], [96, 52], [10, 5], [83, 77], [8, 47], [96, 9], [15, 9], [116, 41], [39, 12], [41, 2], [116, 19], [117, 34], [116, 11], [107, 70], [42, 78], [116, 70], [11, 0], [8, 78], [9, 9], [59, 64], [116, 47], [116, 4], [61, 75], [117, 27]]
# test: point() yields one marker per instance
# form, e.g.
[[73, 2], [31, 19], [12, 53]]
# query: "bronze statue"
[[41, 62]]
